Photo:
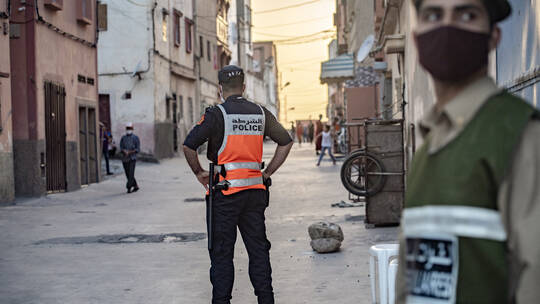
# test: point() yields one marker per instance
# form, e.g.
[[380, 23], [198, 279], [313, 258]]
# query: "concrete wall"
[[362, 16], [233, 32], [265, 54], [7, 182], [206, 12], [43, 54]]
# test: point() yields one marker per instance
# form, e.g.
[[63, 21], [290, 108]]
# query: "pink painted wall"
[[61, 59], [6, 135]]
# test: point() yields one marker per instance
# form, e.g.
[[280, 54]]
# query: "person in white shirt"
[[326, 144]]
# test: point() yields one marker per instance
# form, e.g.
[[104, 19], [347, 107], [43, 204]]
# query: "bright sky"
[[300, 64]]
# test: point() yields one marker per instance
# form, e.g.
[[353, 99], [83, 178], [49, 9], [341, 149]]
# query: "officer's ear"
[[243, 88]]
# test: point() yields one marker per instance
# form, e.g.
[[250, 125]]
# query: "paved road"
[[52, 249]]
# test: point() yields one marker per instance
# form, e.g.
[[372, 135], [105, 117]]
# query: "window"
[[201, 47], [84, 11], [54, 4], [189, 29], [102, 17], [208, 50], [164, 27], [177, 33]]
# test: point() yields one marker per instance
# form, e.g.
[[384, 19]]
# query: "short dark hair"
[[233, 84]]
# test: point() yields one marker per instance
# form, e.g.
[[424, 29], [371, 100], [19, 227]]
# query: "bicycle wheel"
[[361, 174]]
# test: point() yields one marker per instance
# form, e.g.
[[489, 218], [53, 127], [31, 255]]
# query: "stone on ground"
[[326, 237], [325, 245]]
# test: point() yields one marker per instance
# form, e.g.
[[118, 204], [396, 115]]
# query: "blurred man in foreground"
[[472, 207]]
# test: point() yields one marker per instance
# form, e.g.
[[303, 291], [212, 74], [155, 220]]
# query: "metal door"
[[88, 145], [55, 137]]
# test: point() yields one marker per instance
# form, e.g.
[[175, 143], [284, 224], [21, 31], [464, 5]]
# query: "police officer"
[[235, 131], [472, 207]]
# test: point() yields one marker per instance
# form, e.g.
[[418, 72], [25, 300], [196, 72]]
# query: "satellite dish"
[[366, 47], [136, 70]]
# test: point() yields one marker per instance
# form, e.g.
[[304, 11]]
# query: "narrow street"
[[55, 249]]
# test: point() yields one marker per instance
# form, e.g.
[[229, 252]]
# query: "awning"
[[338, 69]]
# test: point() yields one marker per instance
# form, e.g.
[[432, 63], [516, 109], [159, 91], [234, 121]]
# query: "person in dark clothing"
[[311, 131], [235, 130], [130, 146], [106, 141], [318, 131]]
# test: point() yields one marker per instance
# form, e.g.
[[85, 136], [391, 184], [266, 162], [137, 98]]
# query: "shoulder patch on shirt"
[[202, 120]]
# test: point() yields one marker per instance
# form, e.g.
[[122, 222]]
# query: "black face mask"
[[452, 54]]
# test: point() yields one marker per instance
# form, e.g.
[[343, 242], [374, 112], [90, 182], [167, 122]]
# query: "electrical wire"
[[285, 7], [287, 24], [137, 4]]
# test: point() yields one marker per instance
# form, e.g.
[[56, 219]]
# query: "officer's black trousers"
[[244, 210]]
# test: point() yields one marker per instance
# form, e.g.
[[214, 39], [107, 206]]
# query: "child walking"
[[326, 144]]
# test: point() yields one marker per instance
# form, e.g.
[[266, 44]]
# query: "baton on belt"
[[224, 185]]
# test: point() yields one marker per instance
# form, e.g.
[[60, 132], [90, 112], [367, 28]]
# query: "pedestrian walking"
[[311, 131], [472, 205], [299, 132], [293, 131], [306, 133], [235, 130], [106, 145], [130, 147], [318, 131], [326, 144]]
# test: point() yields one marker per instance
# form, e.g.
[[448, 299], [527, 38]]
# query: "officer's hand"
[[204, 178], [265, 176]]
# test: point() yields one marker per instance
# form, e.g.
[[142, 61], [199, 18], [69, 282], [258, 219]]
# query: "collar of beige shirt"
[[443, 127]]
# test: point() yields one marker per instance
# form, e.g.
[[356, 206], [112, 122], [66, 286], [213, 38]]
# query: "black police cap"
[[230, 72], [498, 9]]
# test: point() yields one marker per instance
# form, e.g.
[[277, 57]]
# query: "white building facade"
[[146, 72]]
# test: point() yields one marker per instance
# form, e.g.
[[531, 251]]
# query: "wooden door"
[[55, 137], [88, 151]]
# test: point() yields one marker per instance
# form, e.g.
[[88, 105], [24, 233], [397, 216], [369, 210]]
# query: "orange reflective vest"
[[241, 152]]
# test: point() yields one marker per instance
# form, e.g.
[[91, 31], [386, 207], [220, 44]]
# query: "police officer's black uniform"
[[244, 209]]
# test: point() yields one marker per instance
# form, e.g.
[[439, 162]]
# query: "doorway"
[[55, 137], [88, 145], [105, 110]]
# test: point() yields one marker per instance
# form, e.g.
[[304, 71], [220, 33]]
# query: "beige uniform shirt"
[[519, 195]]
